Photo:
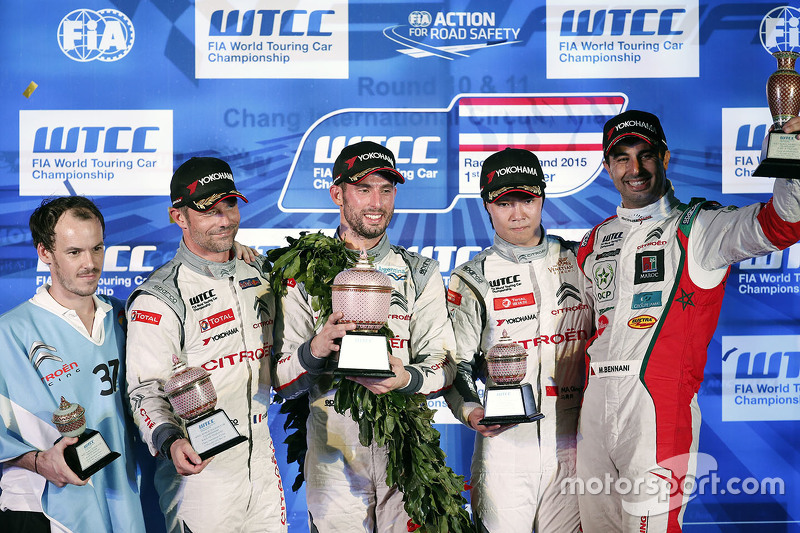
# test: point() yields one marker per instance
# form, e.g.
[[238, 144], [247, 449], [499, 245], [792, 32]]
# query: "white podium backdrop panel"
[[127, 90]]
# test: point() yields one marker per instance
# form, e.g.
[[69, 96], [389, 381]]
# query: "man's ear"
[[44, 254], [337, 195], [665, 159], [176, 215]]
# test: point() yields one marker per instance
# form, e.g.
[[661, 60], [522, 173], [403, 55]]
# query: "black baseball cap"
[[201, 183], [359, 160], [511, 170], [641, 124]]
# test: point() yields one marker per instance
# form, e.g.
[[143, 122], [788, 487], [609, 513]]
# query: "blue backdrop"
[[105, 98]]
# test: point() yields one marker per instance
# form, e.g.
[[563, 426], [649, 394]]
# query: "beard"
[[356, 221], [213, 242]]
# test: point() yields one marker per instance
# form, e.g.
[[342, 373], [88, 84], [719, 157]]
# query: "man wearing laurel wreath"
[[656, 275], [213, 310], [345, 481], [528, 285], [65, 341]]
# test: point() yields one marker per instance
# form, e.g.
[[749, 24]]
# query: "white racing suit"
[[218, 316], [536, 296], [346, 487], [656, 276]]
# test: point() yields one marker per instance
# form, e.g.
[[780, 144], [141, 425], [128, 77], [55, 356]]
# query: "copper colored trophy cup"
[[90, 453], [364, 295], [508, 401], [193, 398], [780, 153]]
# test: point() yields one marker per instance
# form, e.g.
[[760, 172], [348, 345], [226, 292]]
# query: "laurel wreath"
[[402, 423]]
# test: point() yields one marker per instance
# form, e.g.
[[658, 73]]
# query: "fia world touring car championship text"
[[87, 168], [592, 52], [238, 52]]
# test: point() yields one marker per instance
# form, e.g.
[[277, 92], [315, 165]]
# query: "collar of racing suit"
[[658, 210], [377, 252], [204, 266], [520, 254]]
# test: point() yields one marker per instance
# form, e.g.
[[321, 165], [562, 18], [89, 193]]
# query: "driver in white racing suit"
[[528, 285], [656, 274], [213, 311], [346, 488]]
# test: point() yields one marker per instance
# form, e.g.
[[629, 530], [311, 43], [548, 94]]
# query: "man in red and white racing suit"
[[656, 273], [213, 311], [527, 284], [346, 487]]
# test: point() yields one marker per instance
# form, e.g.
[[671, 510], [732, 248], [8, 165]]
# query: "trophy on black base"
[[364, 295], [90, 453], [780, 153], [193, 397], [509, 401]]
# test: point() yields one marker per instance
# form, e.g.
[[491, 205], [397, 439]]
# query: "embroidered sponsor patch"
[[145, 316], [649, 267], [511, 302], [453, 297], [644, 300], [642, 322], [249, 282], [216, 320]]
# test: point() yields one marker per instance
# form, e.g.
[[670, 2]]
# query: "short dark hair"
[[45, 217]]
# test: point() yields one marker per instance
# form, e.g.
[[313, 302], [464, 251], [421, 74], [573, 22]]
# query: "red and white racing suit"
[[218, 316], [536, 296], [346, 487], [656, 276]]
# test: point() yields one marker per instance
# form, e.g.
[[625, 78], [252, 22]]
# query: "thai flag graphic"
[[564, 131]]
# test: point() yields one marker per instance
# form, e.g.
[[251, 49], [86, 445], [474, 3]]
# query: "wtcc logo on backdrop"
[[760, 377], [307, 40], [86, 35], [559, 128], [743, 131], [95, 152], [643, 39]]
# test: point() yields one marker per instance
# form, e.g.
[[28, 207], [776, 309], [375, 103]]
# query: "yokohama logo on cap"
[[510, 302], [145, 316]]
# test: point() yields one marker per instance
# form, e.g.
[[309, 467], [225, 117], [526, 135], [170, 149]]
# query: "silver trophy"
[[193, 398], [90, 453], [508, 401], [363, 294]]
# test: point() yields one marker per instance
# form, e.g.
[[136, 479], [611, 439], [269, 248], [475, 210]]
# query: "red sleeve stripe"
[[779, 232], [278, 389]]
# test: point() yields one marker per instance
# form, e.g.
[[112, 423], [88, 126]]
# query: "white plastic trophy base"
[[213, 433], [89, 454], [363, 354], [509, 404], [780, 157]]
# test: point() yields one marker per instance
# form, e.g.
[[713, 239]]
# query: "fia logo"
[[780, 30], [85, 35]]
